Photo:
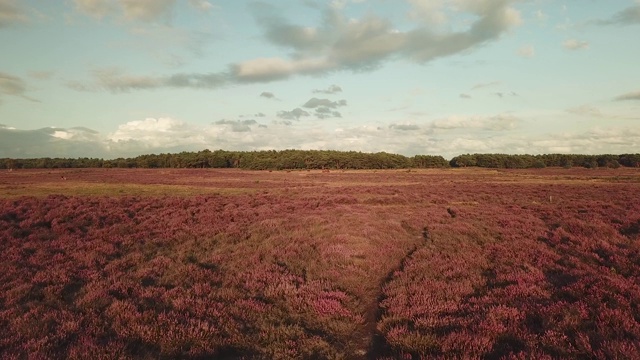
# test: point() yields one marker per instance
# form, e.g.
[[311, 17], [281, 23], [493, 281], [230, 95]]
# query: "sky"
[[121, 78]]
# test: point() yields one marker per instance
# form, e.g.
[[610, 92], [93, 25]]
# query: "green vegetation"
[[326, 159], [505, 161], [253, 160]]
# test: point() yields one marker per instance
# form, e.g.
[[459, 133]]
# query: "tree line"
[[505, 161], [324, 159]]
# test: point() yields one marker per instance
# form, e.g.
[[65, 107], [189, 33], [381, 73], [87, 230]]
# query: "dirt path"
[[377, 342], [368, 341]]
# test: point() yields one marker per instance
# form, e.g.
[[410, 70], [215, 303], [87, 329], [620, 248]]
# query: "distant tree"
[[9, 163], [463, 161], [630, 160]]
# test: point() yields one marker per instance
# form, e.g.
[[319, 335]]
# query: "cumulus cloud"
[[11, 13], [573, 44], [330, 90], [157, 132], [13, 86], [361, 44], [323, 112], [325, 108], [337, 43], [315, 102], [635, 95], [268, 95], [238, 125], [162, 135], [294, 114], [271, 69], [465, 96], [172, 135]]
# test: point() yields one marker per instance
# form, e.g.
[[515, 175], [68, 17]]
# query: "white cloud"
[[158, 132], [62, 134], [573, 44], [238, 125], [162, 135], [361, 44], [269, 69], [338, 43]]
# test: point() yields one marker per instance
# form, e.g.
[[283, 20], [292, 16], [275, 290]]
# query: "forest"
[[325, 159]]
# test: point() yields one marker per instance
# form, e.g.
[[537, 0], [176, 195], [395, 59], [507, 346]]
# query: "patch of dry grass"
[[128, 189]]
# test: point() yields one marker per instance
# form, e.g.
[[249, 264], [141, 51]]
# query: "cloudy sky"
[[110, 78]]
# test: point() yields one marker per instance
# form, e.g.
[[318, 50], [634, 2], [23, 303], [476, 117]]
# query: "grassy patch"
[[97, 189]]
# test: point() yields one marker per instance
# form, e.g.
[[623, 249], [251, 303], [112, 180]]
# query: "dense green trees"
[[505, 161], [325, 159]]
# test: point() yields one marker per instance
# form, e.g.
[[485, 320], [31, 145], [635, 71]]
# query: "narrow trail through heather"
[[368, 340], [377, 343]]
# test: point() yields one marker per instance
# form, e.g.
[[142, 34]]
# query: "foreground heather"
[[432, 264]]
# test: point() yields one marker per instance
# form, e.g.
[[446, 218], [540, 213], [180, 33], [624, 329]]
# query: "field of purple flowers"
[[197, 263]]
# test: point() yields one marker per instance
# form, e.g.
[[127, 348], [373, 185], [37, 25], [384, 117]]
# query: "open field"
[[199, 263]]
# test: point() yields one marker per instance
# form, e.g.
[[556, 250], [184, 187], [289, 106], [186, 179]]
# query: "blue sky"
[[111, 78]]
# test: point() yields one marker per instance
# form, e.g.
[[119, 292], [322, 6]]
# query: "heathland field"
[[199, 263]]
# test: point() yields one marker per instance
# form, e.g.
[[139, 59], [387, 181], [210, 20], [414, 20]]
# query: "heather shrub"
[[536, 264]]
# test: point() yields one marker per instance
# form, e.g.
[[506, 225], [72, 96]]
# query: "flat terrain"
[[204, 263]]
